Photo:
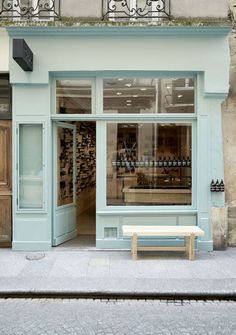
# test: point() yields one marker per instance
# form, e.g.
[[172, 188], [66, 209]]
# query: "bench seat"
[[188, 232]]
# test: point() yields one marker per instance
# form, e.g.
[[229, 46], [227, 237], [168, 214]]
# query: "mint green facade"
[[98, 52]]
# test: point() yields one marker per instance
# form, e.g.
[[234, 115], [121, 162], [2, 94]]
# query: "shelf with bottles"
[[85, 155], [162, 162], [65, 158]]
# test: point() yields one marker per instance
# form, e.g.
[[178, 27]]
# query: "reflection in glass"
[[30, 166], [151, 95], [5, 95], [149, 164], [73, 96], [65, 166]]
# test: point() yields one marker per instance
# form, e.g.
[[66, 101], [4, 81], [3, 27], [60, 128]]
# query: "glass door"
[[64, 176]]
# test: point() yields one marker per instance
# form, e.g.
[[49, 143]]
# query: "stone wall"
[[229, 137], [179, 8]]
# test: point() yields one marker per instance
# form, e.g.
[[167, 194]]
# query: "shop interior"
[[85, 179]]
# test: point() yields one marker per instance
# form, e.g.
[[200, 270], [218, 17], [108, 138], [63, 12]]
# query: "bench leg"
[[186, 244], [191, 247], [134, 246]]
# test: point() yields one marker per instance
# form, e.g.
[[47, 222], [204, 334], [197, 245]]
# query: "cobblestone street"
[[108, 317]]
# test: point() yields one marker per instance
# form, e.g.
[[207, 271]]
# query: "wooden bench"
[[188, 232]]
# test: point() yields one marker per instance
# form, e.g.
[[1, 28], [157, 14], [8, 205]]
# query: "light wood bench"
[[188, 232]]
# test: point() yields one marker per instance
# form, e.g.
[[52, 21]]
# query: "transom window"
[[74, 96], [148, 95]]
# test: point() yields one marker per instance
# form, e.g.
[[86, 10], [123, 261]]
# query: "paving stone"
[[94, 317]]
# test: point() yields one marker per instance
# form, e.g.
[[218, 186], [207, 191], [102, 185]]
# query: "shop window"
[[5, 97], [30, 167], [74, 96], [149, 164], [153, 95]]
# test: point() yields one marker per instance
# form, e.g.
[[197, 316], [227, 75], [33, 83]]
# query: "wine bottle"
[[212, 186], [222, 186]]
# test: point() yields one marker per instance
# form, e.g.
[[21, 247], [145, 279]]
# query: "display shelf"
[[86, 155], [65, 161]]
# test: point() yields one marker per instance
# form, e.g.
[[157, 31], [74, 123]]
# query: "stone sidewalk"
[[94, 272]]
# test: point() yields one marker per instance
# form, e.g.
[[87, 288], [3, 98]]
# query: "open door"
[[64, 176]]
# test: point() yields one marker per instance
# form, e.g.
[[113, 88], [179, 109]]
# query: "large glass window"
[[31, 166], [151, 95], [5, 97], [149, 164], [74, 96]]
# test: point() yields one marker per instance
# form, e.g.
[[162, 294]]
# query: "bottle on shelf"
[[164, 162], [170, 162], [222, 186], [212, 186], [118, 161], [146, 163], [160, 162], [141, 162], [156, 163], [179, 162], [174, 162], [184, 162], [217, 186], [188, 162]]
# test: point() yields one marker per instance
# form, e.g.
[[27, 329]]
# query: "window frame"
[[101, 137], [175, 76], [124, 208], [44, 202], [8, 115]]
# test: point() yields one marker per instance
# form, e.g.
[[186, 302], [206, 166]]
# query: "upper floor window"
[[148, 95], [5, 97], [137, 9], [30, 9]]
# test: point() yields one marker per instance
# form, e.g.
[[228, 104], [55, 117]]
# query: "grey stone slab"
[[63, 268]]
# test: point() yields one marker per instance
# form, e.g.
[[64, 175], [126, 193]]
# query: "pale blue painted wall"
[[69, 51]]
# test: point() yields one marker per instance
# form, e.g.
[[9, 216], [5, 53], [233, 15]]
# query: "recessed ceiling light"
[[180, 96], [143, 89], [128, 101], [128, 85], [135, 96], [118, 93], [129, 104], [168, 87]]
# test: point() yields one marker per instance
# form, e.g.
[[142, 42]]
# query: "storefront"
[[119, 123]]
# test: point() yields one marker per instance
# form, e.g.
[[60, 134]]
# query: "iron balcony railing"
[[136, 9], [30, 9]]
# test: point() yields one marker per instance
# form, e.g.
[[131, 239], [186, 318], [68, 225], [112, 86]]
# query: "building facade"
[[117, 119]]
